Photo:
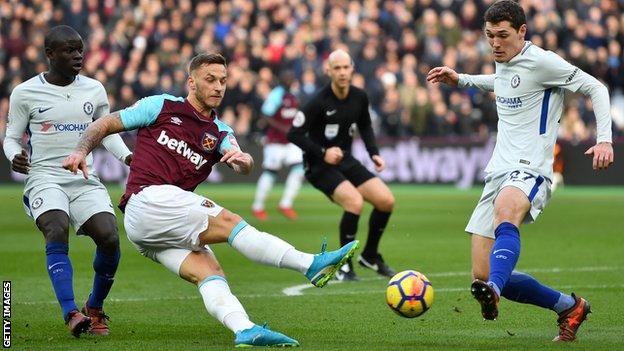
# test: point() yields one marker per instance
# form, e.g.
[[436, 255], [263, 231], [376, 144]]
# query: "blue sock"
[[504, 255], [61, 274], [105, 267], [523, 288]]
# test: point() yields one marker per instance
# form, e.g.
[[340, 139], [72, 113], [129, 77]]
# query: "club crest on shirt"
[[515, 81], [87, 108], [37, 203], [209, 141], [207, 203]]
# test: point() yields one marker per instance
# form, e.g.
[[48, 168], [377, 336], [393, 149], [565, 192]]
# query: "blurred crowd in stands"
[[141, 47]]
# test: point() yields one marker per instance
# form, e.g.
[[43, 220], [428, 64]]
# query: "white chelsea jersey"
[[529, 101], [54, 117]]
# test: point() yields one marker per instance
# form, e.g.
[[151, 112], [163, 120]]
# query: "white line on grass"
[[324, 293], [297, 290]]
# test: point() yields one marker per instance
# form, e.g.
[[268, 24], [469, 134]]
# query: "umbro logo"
[[176, 120], [331, 113], [44, 109]]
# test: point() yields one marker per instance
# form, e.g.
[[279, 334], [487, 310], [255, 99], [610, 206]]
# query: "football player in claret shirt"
[[279, 110], [178, 142], [529, 85]]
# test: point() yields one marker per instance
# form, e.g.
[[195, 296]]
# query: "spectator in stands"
[[145, 46]]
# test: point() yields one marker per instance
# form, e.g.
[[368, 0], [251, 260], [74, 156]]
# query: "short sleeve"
[[273, 102], [229, 141], [143, 113], [103, 107]]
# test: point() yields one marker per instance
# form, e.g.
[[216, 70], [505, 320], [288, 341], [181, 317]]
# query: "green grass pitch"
[[576, 245]]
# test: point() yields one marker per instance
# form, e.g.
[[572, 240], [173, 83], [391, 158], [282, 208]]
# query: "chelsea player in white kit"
[[529, 85], [54, 108]]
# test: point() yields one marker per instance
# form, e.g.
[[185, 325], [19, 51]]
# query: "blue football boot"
[[262, 336], [326, 264]]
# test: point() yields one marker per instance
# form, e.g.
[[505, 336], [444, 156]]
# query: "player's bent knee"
[[508, 214], [55, 231], [109, 243], [385, 204], [354, 206], [56, 234], [195, 266], [220, 227], [229, 219], [353, 203]]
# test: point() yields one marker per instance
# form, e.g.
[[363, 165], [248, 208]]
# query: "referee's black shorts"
[[327, 177]]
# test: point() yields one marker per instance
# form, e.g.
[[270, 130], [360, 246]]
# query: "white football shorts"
[[165, 218], [535, 186], [79, 198], [277, 156]]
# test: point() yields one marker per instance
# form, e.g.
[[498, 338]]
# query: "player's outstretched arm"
[[91, 138], [241, 162]]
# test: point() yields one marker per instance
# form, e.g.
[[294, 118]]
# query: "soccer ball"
[[409, 294]]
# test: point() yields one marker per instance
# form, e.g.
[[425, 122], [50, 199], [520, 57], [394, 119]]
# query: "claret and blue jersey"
[[175, 144]]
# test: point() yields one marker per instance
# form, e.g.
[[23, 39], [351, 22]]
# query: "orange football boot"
[[288, 212], [571, 319]]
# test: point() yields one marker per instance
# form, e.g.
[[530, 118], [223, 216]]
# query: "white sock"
[[291, 189], [297, 260], [223, 305], [265, 183], [267, 249]]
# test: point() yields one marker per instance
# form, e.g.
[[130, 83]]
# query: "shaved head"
[[59, 35], [340, 71], [338, 56]]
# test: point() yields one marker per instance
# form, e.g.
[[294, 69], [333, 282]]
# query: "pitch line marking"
[[325, 293], [297, 290], [302, 287]]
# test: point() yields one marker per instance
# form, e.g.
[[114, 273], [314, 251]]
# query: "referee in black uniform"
[[324, 131]]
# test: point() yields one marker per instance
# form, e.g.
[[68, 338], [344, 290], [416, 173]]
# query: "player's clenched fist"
[[76, 161], [20, 163], [333, 155], [380, 164]]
